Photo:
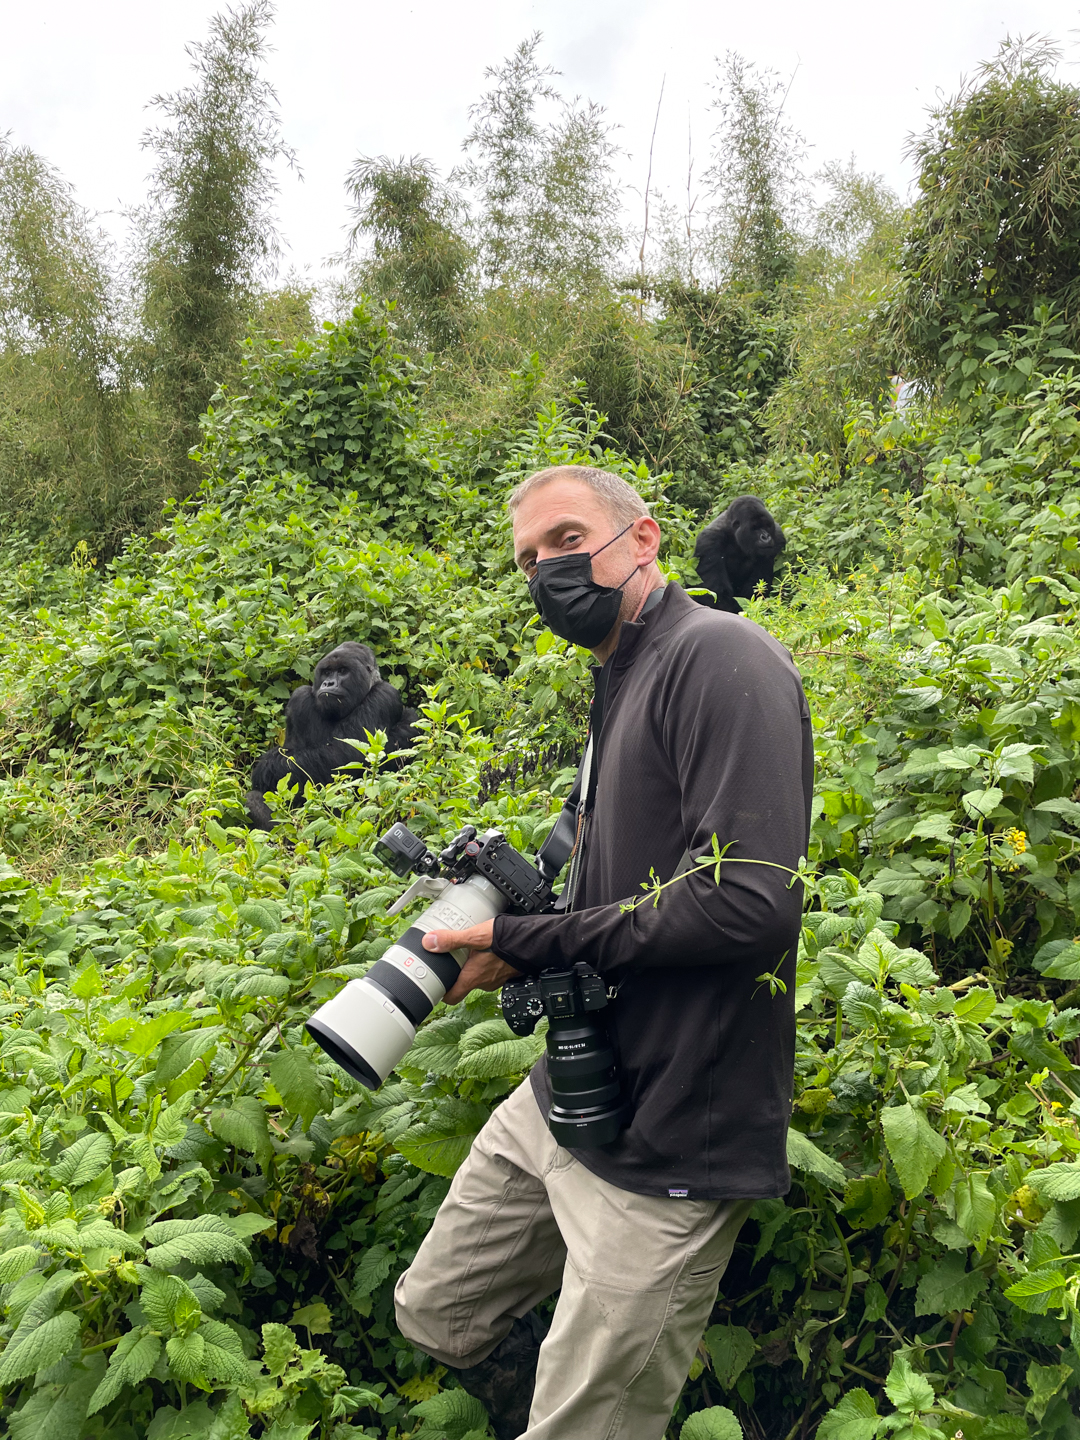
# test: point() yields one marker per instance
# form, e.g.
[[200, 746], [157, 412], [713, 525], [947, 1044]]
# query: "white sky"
[[398, 78]]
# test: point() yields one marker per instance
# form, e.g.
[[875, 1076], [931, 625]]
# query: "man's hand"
[[483, 970]]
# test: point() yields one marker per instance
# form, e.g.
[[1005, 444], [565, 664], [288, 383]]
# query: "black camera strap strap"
[[565, 836], [586, 776]]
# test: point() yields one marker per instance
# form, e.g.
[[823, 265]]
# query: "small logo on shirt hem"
[[676, 1192]]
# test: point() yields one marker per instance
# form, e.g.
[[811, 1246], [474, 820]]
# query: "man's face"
[[563, 517]]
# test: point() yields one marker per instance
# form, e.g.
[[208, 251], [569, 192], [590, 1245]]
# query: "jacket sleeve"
[[736, 734]]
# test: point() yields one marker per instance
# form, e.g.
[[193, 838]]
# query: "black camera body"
[[370, 1024], [490, 855], [587, 1107]]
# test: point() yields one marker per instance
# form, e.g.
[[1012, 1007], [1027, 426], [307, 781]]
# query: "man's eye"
[[572, 541]]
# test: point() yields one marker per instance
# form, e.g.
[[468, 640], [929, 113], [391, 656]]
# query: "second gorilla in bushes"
[[346, 700]]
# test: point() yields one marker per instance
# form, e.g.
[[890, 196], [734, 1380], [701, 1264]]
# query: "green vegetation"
[[201, 1218]]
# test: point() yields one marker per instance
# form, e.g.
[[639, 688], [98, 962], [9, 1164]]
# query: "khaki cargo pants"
[[639, 1276]]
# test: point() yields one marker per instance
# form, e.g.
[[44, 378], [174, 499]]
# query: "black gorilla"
[[737, 551], [346, 698]]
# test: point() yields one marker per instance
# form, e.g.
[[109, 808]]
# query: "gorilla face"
[[343, 678], [756, 532]]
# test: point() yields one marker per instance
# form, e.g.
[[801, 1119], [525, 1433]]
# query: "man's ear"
[[647, 538]]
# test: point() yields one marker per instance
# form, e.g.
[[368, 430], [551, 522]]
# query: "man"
[[699, 728]]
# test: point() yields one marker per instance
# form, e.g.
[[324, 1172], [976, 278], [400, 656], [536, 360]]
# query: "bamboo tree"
[[209, 229], [416, 256], [64, 441], [548, 206]]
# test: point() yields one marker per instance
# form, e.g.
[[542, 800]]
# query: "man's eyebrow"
[[570, 522]]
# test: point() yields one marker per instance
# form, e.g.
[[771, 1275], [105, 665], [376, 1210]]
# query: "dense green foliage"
[[204, 1217], [201, 1217]]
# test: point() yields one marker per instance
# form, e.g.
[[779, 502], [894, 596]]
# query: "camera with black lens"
[[586, 1095], [369, 1025]]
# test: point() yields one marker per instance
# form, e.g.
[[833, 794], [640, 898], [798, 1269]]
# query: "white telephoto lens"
[[371, 1023]]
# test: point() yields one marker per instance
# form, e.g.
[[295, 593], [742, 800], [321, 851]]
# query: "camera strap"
[[564, 839]]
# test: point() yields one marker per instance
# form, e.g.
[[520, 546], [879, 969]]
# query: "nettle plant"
[[193, 1195]]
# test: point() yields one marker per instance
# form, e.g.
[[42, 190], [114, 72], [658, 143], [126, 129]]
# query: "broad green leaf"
[[962, 757], [975, 1005], [84, 1160], [243, 1124], [974, 1209], [861, 1006], [263, 915], [803, 1154], [143, 1038], [46, 1296], [231, 1421], [333, 912], [279, 1347], [948, 1286], [166, 1299], [867, 1201], [260, 984], [909, 1391], [731, 1348], [14, 1099], [314, 1318], [959, 916], [1036, 1050], [296, 1080], [224, 1354], [171, 1126], [1017, 760], [914, 1147], [837, 972], [1057, 1182], [1068, 809], [100, 1235], [40, 1348], [87, 982], [14, 1264], [204, 1240], [1039, 1291], [1044, 1382], [934, 827], [456, 1412], [245, 1226], [1065, 965], [187, 1356], [491, 1049], [440, 1144], [178, 1052], [129, 1364], [375, 1265], [855, 1417], [716, 1423], [981, 803], [397, 1188], [875, 1303], [435, 1048]]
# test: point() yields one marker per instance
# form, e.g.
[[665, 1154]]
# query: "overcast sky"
[[399, 78]]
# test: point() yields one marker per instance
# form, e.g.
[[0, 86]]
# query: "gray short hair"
[[618, 497]]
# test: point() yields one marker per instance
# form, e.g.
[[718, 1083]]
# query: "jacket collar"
[[672, 608]]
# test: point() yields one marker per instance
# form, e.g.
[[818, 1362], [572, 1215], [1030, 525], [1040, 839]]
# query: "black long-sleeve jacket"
[[705, 730]]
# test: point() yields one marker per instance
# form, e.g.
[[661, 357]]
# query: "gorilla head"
[[343, 678], [756, 532], [737, 552]]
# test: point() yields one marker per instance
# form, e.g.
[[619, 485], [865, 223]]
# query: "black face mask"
[[570, 601]]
